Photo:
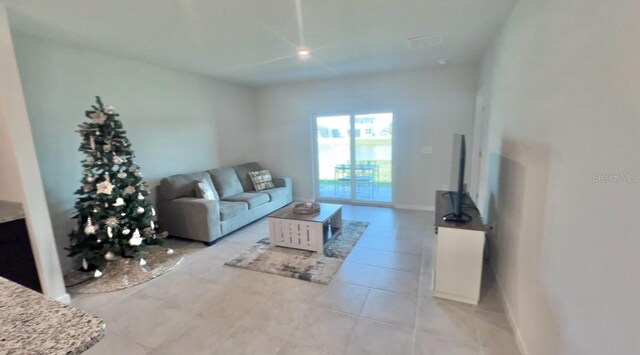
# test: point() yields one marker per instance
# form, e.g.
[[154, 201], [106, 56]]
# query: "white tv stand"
[[459, 253]]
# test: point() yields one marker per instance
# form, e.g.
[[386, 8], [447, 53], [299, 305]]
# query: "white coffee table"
[[306, 232]]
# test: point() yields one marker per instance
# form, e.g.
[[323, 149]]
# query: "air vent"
[[425, 41]]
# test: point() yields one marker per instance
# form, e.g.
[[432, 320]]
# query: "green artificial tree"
[[114, 216]]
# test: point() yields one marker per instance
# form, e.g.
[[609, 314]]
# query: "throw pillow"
[[205, 190], [261, 180]]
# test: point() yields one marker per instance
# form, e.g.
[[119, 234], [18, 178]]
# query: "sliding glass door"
[[334, 142], [354, 156]]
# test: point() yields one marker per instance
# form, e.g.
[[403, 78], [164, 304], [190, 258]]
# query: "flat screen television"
[[457, 196]]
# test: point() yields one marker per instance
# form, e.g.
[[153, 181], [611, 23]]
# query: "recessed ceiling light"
[[303, 53], [443, 61]]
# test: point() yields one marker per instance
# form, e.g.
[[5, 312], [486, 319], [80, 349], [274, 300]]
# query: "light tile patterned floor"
[[379, 303]]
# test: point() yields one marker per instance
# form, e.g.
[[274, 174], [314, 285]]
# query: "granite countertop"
[[10, 211], [31, 323]]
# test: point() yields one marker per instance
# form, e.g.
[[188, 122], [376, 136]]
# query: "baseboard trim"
[[66, 299], [449, 296], [516, 331], [414, 207]]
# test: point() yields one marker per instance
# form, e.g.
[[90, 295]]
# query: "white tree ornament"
[[105, 187], [112, 221], [89, 228], [98, 117], [135, 238]]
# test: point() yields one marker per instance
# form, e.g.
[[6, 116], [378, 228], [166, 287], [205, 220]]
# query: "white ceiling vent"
[[425, 41]]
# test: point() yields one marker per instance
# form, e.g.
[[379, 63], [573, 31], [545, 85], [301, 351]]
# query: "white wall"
[[10, 185], [429, 106], [177, 122], [564, 86]]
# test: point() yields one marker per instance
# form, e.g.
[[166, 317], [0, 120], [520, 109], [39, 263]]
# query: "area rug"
[[302, 264], [122, 273]]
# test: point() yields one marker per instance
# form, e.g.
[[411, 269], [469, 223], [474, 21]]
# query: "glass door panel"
[[373, 136], [334, 156]]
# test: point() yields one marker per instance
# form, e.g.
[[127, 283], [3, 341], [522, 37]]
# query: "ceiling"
[[254, 41]]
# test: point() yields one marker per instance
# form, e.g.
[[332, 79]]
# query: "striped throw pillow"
[[261, 180]]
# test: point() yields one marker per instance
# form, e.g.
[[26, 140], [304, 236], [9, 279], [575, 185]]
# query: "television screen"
[[455, 161], [456, 195]]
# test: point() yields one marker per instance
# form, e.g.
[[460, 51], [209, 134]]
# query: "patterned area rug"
[[302, 264]]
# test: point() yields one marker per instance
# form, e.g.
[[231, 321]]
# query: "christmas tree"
[[113, 214]]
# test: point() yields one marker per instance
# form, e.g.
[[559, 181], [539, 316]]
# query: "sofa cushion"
[[278, 193], [243, 174], [254, 199], [181, 185], [229, 209], [226, 182]]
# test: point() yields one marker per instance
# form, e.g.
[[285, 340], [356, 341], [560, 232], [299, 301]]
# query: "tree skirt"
[[122, 273], [302, 264]]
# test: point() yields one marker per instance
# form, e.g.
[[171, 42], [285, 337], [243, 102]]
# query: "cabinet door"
[[16, 258], [458, 265]]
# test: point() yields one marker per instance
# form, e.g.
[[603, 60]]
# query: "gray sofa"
[[184, 215]]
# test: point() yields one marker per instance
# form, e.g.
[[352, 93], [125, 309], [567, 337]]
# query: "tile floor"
[[378, 303]]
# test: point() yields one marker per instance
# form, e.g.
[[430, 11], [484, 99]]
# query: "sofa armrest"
[[287, 183], [282, 181], [189, 217]]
